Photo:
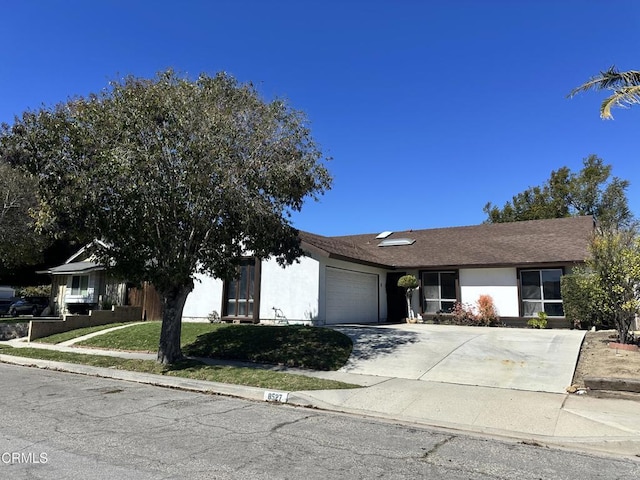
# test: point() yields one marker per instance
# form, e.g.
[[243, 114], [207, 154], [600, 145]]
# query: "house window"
[[80, 285], [540, 292], [240, 294], [438, 291]]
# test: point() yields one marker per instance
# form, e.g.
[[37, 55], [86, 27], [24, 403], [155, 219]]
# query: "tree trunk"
[[623, 325], [174, 298]]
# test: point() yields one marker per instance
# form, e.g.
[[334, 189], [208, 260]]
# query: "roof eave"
[[360, 261], [555, 263]]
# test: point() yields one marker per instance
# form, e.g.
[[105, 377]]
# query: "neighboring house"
[[81, 284], [353, 279]]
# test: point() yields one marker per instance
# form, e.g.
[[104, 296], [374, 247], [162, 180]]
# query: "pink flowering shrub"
[[482, 313]]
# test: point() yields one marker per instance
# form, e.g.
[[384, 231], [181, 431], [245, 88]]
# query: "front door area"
[[396, 301]]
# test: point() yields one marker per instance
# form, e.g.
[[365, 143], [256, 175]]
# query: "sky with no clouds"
[[429, 109]]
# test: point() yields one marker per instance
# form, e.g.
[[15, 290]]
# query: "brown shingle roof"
[[339, 248], [559, 240]]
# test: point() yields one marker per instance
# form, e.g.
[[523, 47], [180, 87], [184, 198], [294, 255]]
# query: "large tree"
[[20, 244], [624, 85], [591, 191], [177, 177]]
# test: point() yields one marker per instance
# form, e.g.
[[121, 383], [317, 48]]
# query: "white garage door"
[[351, 297]]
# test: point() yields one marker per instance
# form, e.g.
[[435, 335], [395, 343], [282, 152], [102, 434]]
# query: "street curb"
[[202, 386], [612, 384], [615, 446]]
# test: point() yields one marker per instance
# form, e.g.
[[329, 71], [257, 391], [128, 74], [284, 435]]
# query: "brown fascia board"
[[567, 263], [361, 262]]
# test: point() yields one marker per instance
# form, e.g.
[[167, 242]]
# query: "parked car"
[[29, 306], [5, 304]]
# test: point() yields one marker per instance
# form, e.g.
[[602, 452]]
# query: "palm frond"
[[610, 79], [623, 97], [625, 87]]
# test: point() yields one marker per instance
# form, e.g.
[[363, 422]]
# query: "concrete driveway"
[[514, 358]]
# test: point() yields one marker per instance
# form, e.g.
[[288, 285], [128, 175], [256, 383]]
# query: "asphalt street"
[[67, 426]]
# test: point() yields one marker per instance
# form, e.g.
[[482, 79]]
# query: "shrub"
[[486, 310], [583, 299], [408, 281], [538, 322], [462, 314], [483, 312], [37, 291]]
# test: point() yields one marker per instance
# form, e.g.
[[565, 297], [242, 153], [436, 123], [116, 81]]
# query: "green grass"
[[15, 320], [145, 337], [294, 346], [187, 369], [64, 336]]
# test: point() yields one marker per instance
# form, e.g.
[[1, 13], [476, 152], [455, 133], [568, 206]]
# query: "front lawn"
[[187, 369], [145, 337], [79, 332], [294, 346], [8, 320]]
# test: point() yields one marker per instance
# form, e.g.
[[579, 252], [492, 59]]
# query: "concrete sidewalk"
[[572, 421]]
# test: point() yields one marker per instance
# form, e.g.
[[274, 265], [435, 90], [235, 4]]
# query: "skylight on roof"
[[384, 234], [396, 242]]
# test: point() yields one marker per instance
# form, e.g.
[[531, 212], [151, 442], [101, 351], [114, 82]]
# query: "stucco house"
[[353, 279]]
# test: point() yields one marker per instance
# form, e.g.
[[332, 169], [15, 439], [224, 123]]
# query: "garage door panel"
[[351, 297]]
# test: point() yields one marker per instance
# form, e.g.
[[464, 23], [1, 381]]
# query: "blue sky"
[[429, 109]]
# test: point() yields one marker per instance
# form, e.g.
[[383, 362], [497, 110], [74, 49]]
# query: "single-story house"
[[81, 284], [353, 279]]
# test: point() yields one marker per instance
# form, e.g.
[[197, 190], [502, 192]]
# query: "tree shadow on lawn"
[[291, 346], [372, 342]]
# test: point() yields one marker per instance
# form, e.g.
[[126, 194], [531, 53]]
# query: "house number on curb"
[[276, 397]]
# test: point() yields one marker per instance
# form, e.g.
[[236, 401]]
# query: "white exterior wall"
[[205, 297], [294, 289], [297, 290], [500, 283]]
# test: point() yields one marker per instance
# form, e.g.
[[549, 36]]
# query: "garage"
[[351, 297]]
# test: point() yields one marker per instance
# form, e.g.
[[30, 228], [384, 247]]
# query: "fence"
[[146, 297]]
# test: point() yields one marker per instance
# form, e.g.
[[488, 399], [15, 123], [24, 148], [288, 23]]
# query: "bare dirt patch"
[[597, 359]]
